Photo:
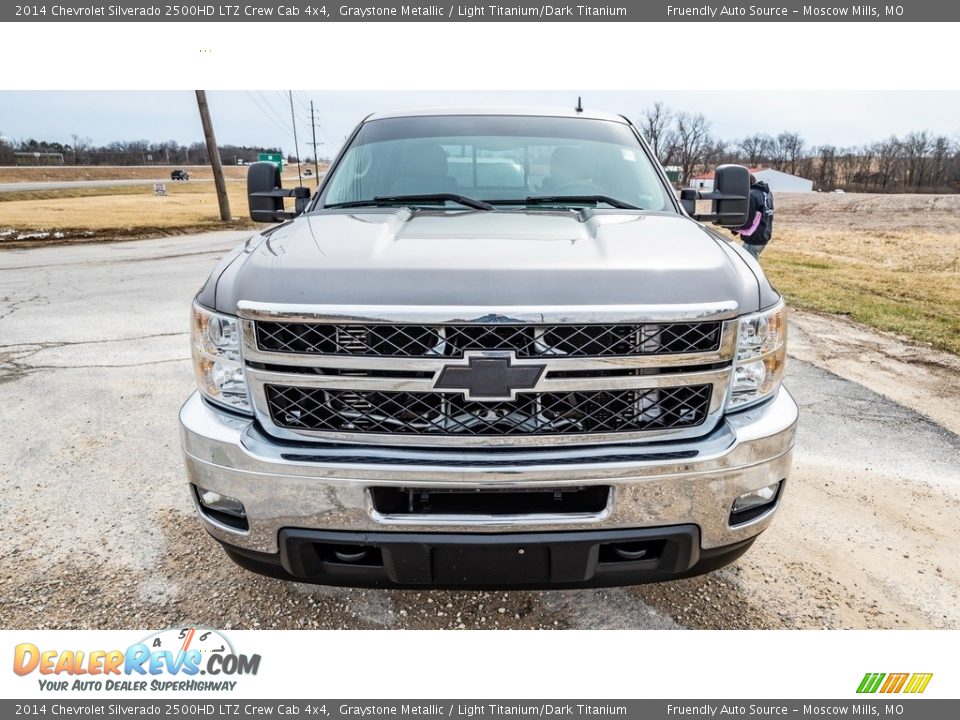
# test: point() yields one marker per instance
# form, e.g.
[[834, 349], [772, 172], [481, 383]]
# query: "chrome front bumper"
[[326, 487]]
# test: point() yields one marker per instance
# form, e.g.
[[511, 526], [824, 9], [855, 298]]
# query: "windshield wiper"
[[569, 199], [387, 200]]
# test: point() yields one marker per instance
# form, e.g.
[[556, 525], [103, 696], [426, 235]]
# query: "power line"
[[283, 127], [278, 115]]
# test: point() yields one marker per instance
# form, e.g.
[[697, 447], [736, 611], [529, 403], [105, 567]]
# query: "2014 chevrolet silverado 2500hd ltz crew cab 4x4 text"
[[494, 349]]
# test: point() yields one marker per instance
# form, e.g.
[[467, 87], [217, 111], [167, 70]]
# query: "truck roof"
[[514, 111]]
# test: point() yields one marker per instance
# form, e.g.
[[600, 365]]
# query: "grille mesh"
[[449, 414], [453, 340]]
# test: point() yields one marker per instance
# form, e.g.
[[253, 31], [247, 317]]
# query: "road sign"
[[276, 158]]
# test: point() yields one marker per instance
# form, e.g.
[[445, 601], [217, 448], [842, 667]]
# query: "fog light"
[[221, 503], [222, 508], [754, 503]]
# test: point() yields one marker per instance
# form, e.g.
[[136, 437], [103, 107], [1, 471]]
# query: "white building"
[[778, 181]]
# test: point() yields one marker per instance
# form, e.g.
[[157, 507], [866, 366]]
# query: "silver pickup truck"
[[494, 349]]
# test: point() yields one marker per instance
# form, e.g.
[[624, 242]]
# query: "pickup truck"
[[495, 349]]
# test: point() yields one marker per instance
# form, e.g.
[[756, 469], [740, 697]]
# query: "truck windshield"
[[550, 161]]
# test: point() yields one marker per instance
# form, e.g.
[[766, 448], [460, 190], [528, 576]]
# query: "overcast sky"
[[262, 118]]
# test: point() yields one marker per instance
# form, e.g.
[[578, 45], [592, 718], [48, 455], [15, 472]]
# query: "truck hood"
[[496, 259]]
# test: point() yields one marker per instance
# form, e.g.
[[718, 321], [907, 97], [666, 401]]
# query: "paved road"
[[98, 530]]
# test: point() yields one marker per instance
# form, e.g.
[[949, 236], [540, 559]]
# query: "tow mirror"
[[730, 197], [265, 194]]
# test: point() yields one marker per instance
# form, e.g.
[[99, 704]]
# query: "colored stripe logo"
[[894, 683]]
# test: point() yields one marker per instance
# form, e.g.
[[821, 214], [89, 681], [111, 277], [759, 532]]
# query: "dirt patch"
[[917, 376], [939, 214], [194, 583], [71, 236]]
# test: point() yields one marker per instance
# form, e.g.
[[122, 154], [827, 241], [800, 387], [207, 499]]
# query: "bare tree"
[[655, 126], [828, 167], [755, 148], [887, 153], [6, 151], [790, 148], [939, 162], [80, 145], [693, 146], [916, 147]]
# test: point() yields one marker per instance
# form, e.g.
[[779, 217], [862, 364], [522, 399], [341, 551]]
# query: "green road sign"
[[271, 157]]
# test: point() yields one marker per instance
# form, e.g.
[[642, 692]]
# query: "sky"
[[263, 118]]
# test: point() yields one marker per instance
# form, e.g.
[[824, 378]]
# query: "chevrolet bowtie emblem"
[[489, 377]]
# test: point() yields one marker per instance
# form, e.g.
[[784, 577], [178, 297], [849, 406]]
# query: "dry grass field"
[[119, 212], [888, 261], [67, 173]]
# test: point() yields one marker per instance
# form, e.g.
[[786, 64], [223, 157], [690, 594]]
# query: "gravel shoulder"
[[98, 529]]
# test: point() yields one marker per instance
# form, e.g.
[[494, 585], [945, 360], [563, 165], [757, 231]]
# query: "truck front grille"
[[527, 341], [555, 413]]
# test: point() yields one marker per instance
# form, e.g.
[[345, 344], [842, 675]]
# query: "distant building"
[[38, 158], [778, 181]]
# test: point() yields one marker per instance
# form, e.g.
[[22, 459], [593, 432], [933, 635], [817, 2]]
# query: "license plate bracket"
[[497, 564]]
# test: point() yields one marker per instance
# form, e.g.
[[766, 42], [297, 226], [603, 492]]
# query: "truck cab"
[[493, 350]]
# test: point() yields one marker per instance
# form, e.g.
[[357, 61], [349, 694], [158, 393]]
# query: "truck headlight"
[[217, 359], [761, 355]]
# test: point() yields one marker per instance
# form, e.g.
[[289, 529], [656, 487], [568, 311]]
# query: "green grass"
[[922, 306]]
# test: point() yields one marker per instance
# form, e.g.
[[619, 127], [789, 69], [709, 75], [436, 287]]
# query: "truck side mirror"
[[731, 191], [730, 197], [262, 179], [265, 194]]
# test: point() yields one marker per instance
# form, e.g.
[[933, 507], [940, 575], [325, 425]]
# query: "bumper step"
[[486, 561]]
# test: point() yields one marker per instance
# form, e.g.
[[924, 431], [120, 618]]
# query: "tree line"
[[81, 151], [917, 162]]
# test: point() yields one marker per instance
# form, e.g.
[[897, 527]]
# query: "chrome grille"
[[527, 341], [430, 413]]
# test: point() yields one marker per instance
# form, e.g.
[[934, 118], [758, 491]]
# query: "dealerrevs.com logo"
[[894, 683], [180, 659]]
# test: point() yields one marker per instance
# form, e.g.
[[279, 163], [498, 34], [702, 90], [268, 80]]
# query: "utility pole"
[[316, 163], [296, 146], [214, 152]]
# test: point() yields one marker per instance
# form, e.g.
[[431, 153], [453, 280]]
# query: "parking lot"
[[98, 528]]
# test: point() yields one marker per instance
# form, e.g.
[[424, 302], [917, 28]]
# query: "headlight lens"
[[217, 359], [761, 356]]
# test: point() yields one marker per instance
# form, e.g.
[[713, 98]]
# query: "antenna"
[[579, 107]]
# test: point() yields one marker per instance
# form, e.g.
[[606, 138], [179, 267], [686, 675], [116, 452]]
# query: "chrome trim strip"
[[461, 521], [426, 385], [482, 315], [252, 353], [532, 519]]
